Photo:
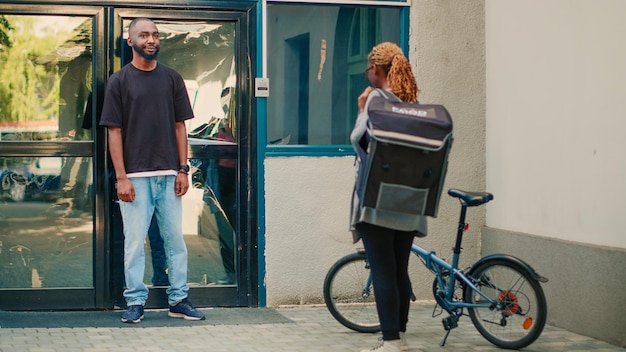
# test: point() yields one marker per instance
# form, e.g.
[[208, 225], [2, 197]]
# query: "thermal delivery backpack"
[[407, 161]]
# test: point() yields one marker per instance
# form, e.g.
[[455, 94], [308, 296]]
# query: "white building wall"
[[556, 88], [307, 202]]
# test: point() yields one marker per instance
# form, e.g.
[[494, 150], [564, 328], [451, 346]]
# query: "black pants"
[[388, 253]]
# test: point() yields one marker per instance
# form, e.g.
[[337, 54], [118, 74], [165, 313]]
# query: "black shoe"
[[184, 309], [133, 314]]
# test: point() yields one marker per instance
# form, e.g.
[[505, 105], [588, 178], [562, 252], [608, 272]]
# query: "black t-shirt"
[[147, 105]]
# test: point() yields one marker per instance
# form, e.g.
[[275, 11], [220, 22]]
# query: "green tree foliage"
[[28, 91], [4, 37], [5, 43]]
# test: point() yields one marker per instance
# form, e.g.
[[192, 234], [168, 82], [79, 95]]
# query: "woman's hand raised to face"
[[363, 98]]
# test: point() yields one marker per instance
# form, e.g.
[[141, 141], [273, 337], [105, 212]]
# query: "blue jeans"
[[157, 252], [154, 196]]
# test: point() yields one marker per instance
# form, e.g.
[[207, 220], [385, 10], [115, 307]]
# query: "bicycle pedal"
[[450, 322]]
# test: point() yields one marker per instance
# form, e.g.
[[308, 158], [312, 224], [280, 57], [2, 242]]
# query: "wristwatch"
[[184, 168]]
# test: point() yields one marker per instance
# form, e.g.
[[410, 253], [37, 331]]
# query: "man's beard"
[[144, 54]]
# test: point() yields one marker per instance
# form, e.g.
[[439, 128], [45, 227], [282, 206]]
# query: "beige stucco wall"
[[556, 83], [556, 87], [307, 198]]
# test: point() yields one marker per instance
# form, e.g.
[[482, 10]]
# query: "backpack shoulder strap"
[[388, 95]]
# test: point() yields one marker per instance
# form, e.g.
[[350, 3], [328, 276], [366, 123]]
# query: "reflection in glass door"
[[47, 223], [46, 208]]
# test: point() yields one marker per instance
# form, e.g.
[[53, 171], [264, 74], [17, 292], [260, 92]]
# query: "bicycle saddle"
[[471, 199]]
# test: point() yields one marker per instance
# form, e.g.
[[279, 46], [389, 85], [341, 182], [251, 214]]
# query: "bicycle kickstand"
[[449, 323]]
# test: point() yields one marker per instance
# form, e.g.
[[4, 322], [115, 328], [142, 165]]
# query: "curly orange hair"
[[400, 76]]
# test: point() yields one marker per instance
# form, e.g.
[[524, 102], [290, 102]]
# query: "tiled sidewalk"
[[307, 329]]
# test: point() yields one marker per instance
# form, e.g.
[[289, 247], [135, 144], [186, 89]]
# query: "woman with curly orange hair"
[[387, 249]]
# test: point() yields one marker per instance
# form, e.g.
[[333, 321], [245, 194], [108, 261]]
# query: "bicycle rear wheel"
[[349, 294], [520, 315]]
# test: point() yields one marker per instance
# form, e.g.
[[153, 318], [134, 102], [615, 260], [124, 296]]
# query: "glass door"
[[210, 50], [61, 239], [48, 209]]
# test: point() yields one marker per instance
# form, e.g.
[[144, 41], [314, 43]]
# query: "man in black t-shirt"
[[145, 108]]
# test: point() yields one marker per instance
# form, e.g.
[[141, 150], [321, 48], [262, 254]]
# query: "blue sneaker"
[[133, 314], [184, 309]]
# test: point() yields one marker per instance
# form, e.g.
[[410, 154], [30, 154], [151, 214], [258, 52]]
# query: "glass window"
[[46, 221], [45, 86], [316, 58]]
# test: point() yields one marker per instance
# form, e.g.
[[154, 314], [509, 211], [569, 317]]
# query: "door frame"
[[244, 16], [106, 292]]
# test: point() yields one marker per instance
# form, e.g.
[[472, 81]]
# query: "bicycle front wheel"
[[519, 315], [349, 294]]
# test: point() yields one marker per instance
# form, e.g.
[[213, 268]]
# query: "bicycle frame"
[[438, 266]]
